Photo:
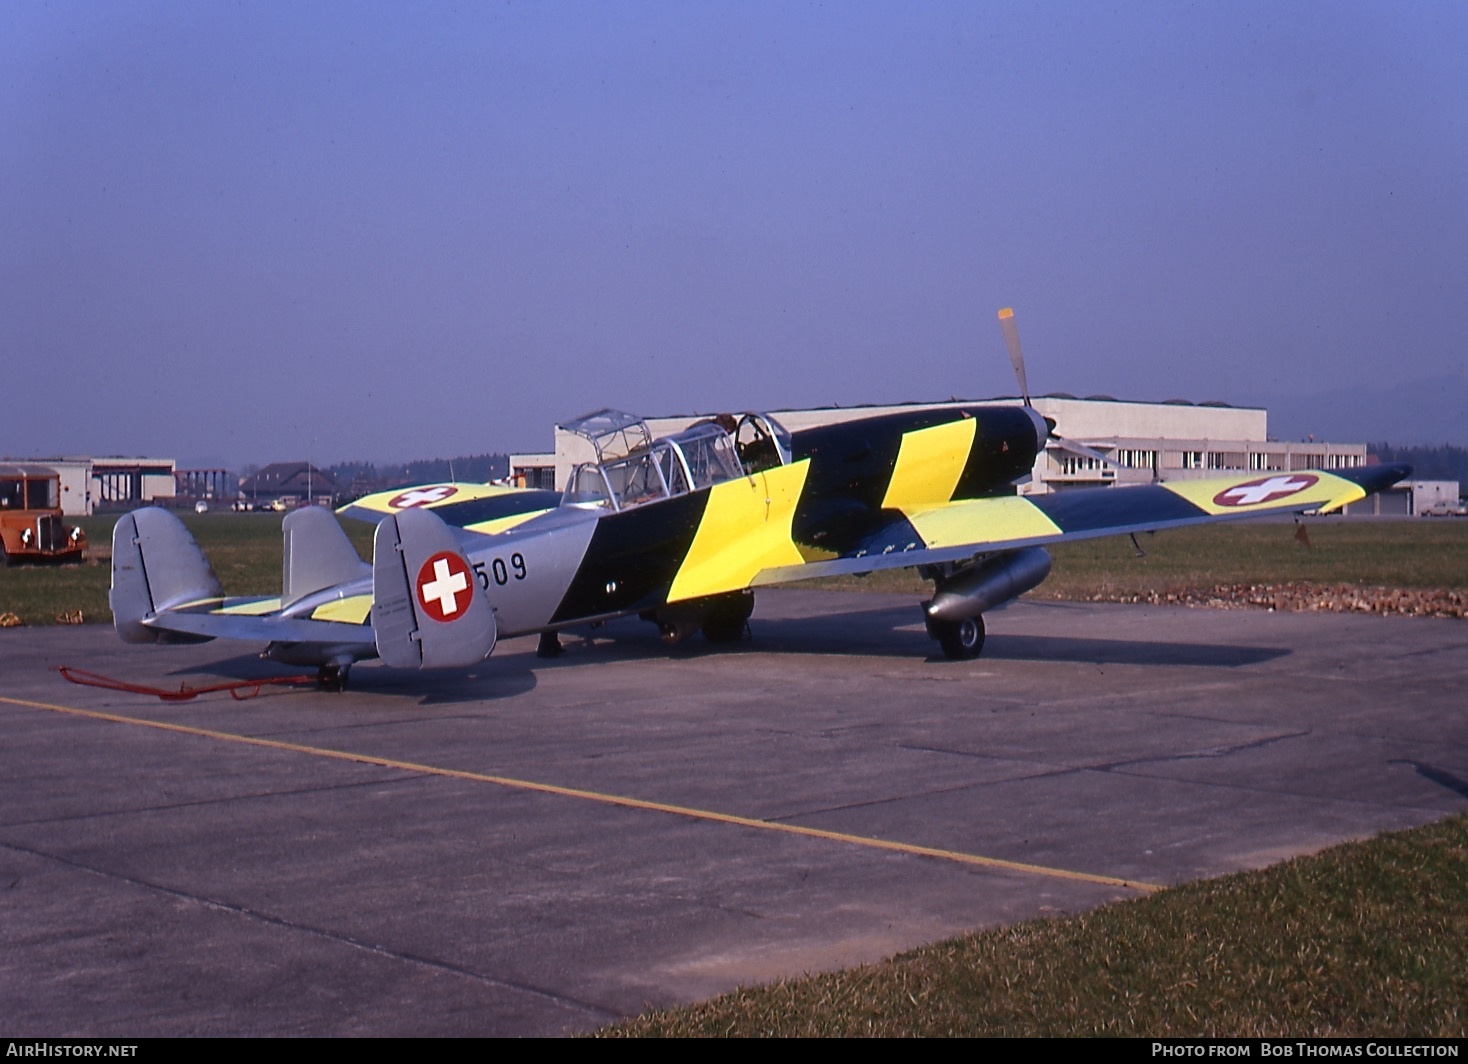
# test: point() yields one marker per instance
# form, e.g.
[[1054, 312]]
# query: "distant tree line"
[[476, 468], [1443, 462]]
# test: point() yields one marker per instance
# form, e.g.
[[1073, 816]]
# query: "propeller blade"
[[1016, 356], [1078, 448]]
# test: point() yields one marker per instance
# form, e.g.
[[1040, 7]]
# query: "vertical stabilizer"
[[317, 555], [156, 566], [429, 608]]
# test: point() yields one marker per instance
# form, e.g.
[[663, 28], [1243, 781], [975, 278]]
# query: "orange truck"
[[30, 517]]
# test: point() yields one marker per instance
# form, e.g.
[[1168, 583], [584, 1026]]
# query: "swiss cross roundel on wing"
[[406, 500], [445, 586], [1265, 489]]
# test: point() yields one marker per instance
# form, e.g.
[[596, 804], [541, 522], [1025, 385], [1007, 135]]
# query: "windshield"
[[707, 453], [762, 442], [29, 493]]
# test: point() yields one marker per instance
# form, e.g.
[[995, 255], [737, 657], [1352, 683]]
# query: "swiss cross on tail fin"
[[428, 610]]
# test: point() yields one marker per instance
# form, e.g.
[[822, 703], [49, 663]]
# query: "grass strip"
[[245, 552], [243, 549], [1368, 938], [1417, 553]]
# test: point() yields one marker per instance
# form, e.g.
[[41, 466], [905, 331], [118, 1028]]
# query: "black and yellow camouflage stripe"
[[889, 492]]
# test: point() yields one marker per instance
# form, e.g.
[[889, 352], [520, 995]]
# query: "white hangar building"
[[90, 483]]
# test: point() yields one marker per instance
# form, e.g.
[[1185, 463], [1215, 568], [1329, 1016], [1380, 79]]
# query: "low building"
[[291, 483], [1175, 440], [124, 483], [90, 484], [192, 486], [1435, 498], [533, 471]]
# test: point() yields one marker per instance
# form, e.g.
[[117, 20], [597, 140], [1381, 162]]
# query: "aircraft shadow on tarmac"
[[898, 633], [886, 632], [894, 632], [493, 680]]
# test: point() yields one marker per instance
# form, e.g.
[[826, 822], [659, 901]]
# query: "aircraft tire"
[[333, 677], [729, 620], [961, 640]]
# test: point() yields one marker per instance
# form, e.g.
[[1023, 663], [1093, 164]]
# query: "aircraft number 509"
[[499, 571]]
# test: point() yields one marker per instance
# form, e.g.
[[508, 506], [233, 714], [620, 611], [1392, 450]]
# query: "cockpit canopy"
[[611, 433], [706, 453]]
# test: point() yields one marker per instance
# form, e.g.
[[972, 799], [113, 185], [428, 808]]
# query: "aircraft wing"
[[484, 508], [955, 531]]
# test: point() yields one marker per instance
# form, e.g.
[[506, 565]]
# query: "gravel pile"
[[1337, 598]]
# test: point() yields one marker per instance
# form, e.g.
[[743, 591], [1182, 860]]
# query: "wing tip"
[[1376, 478]]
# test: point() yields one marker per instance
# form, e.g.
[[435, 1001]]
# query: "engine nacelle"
[[861, 470], [989, 584]]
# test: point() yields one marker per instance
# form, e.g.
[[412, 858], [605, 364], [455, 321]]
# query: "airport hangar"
[[90, 484], [1142, 442]]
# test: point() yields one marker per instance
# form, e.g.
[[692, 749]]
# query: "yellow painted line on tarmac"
[[596, 796]]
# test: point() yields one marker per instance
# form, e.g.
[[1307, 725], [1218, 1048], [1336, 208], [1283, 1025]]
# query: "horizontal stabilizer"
[[156, 566], [317, 555], [428, 608]]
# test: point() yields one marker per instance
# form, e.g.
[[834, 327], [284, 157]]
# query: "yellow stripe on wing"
[[502, 524], [980, 522]]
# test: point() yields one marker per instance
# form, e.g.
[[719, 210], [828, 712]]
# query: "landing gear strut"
[[728, 621], [333, 677], [961, 640], [722, 618]]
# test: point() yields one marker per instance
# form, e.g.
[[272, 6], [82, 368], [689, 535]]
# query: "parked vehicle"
[[31, 528]]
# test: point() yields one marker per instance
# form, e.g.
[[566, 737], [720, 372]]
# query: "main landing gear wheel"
[[961, 640], [333, 677], [728, 621]]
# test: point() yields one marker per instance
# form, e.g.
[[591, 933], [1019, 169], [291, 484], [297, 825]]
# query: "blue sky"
[[238, 233]]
